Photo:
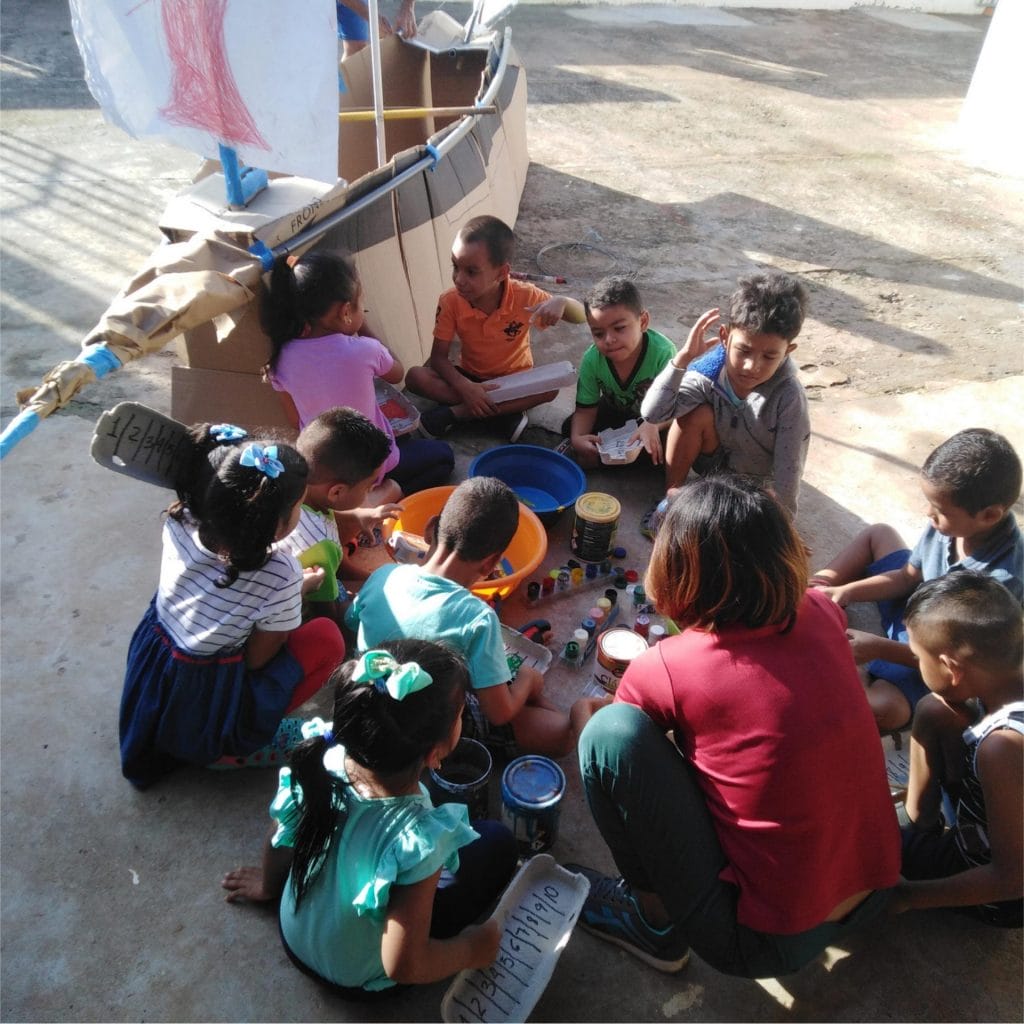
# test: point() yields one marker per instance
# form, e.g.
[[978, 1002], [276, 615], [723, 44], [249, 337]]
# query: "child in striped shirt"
[[221, 656]]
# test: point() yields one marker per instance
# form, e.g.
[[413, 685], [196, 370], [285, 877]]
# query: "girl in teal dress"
[[378, 887]]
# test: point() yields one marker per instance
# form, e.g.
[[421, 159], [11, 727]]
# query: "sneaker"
[[436, 422], [611, 913], [652, 518]]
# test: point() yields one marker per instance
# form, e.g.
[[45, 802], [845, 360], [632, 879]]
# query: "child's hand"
[[485, 941], [475, 398], [369, 519], [864, 645], [650, 437], [312, 579], [246, 884], [586, 445], [837, 595], [548, 312], [696, 344]]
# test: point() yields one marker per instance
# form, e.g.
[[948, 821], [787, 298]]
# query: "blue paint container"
[[532, 788]]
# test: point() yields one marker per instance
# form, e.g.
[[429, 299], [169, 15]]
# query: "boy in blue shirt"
[[433, 602], [617, 369], [970, 483]]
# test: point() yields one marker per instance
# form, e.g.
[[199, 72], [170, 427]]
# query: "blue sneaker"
[[611, 913]]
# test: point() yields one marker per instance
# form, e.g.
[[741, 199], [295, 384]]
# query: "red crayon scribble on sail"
[[203, 90]]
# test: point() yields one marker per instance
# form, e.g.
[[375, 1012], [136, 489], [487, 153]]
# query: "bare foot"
[[246, 884]]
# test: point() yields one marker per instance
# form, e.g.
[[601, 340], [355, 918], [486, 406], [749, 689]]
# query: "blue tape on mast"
[[100, 360], [20, 427], [263, 253]]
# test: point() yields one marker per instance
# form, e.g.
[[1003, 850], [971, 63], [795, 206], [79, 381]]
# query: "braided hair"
[[389, 737], [238, 509]]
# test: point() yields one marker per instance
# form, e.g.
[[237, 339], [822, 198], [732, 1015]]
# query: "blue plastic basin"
[[544, 481]]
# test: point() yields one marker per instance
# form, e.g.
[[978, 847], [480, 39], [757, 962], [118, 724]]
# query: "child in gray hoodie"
[[734, 400]]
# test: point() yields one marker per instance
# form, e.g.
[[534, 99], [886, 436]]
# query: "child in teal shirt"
[[357, 850]]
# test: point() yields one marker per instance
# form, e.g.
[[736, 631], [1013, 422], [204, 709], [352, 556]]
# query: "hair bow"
[[227, 433], [263, 459], [380, 670]]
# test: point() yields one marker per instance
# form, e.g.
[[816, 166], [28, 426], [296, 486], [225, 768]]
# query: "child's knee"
[[418, 378], [891, 709]]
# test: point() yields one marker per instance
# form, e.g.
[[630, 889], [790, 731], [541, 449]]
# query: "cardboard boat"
[[398, 221]]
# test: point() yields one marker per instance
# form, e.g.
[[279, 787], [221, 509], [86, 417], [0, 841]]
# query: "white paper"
[[260, 76]]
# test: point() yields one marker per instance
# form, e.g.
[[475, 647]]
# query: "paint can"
[[463, 778], [594, 526], [616, 648], [532, 788]]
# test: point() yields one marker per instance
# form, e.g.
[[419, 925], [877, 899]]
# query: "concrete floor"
[[818, 143]]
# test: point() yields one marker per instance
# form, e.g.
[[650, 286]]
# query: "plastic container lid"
[[597, 507], [532, 782]]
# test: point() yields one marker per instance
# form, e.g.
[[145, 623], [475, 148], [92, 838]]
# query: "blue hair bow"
[[263, 459], [227, 433], [380, 670]]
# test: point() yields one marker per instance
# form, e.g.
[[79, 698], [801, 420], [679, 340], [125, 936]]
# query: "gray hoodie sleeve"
[[792, 438], [673, 393]]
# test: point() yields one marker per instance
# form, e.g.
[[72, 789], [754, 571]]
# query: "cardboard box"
[[208, 286]]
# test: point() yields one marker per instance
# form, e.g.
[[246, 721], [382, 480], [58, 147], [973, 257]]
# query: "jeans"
[[650, 810], [422, 463]]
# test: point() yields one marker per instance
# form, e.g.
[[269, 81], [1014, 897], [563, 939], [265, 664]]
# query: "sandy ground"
[[683, 154]]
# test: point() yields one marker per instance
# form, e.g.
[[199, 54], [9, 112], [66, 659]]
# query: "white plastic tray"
[[533, 654], [537, 915], [613, 444], [401, 413], [534, 381]]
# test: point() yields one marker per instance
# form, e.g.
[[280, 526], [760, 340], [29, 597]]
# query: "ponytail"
[[238, 507], [300, 293], [388, 736]]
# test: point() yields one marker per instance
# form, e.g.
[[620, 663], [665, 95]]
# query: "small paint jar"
[[606, 568], [577, 576], [656, 635], [590, 626], [591, 571], [597, 614], [642, 625], [639, 597], [612, 595], [562, 583], [632, 576], [532, 592], [532, 788], [619, 552], [547, 586], [604, 604]]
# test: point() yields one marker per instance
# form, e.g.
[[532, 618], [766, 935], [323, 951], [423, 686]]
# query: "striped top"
[[205, 619], [971, 818], [313, 527]]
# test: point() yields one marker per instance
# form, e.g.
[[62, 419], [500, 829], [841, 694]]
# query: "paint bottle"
[[532, 592], [642, 625], [656, 634]]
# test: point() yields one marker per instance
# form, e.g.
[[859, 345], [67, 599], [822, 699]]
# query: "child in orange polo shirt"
[[491, 314]]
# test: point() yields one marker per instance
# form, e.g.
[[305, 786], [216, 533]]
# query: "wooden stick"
[[407, 113]]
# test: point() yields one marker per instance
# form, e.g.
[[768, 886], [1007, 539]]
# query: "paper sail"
[[259, 76]]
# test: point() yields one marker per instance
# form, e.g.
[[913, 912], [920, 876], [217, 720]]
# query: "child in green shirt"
[[616, 370]]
